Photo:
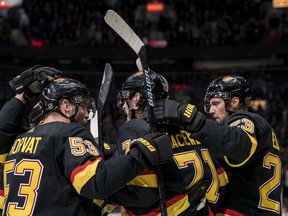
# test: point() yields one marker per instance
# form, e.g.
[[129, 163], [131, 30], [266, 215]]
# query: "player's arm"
[[11, 115], [95, 178], [109, 149], [237, 142], [11, 125]]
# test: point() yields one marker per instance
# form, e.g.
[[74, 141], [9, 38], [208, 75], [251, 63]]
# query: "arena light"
[[280, 3], [155, 7], [36, 43], [158, 43], [6, 4]]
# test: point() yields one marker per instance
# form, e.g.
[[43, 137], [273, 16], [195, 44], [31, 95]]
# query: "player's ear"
[[235, 103], [65, 106], [137, 97]]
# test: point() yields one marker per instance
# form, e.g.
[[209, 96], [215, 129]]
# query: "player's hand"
[[33, 80], [172, 112], [197, 199], [151, 150]]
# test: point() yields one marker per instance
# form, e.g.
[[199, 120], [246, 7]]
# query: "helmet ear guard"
[[207, 106], [36, 114], [123, 96]]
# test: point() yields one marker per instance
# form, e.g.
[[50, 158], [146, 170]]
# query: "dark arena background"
[[189, 42]]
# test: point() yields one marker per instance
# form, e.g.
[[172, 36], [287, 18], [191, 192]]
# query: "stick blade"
[[123, 30], [105, 86], [139, 64], [94, 125]]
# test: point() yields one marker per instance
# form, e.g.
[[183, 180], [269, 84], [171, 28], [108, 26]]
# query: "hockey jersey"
[[192, 162], [250, 151], [55, 168]]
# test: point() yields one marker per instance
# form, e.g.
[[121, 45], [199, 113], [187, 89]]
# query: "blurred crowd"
[[183, 22]]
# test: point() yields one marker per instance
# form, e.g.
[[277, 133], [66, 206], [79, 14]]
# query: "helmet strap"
[[229, 111], [72, 118], [139, 105], [133, 113], [62, 114], [132, 110]]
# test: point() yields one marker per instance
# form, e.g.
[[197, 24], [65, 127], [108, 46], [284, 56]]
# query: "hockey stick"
[[129, 36], [96, 124], [138, 64]]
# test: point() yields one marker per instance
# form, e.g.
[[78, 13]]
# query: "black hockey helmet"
[[227, 87], [70, 89], [136, 83]]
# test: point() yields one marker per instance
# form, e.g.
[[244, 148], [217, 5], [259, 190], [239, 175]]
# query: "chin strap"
[[133, 110], [235, 110], [133, 113], [72, 118]]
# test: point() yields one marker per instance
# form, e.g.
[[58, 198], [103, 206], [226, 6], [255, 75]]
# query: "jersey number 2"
[[271, 162]]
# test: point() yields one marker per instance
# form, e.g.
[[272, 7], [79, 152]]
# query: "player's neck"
[[52, 117]]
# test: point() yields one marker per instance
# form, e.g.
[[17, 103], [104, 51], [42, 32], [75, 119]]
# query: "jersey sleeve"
[[236, 141], [11, 116], [130, 130], [249, 138], [90, 175]]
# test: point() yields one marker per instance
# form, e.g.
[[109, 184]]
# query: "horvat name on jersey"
[[25, 145]]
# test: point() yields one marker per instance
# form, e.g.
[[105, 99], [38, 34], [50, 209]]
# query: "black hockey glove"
[[33, 80], [197, 200], [172, 112], [151, 150]]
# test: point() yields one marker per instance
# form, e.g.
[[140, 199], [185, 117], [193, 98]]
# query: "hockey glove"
[[197, 199], [151, 150], [172, 112], [33, 80]]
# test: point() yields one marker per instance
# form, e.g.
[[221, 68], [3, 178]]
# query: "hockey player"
[[55, 168], [30, 83], [246, 142], [193, 168]]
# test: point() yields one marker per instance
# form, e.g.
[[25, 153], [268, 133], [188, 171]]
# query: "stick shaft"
[[130, 37]]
